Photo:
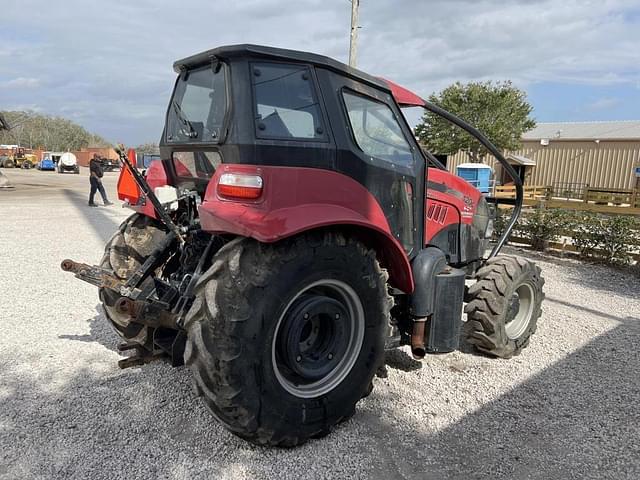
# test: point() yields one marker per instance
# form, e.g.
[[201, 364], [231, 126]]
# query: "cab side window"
[[376, 129], [286, 105]]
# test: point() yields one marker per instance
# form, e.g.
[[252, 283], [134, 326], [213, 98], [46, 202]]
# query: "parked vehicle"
[[143, 161], [292, 232], [109, 165], [6, 161], [48, 162], [19, 158], [68, 163], [54, 158]]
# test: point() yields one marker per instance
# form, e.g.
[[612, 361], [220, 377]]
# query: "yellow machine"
[[20, 159]]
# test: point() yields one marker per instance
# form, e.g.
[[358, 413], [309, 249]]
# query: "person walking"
[[95, 178]]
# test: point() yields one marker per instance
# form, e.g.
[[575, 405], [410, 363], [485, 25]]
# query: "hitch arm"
[[98, 276]]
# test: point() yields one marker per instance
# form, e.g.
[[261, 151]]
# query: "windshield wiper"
[[192, 131]]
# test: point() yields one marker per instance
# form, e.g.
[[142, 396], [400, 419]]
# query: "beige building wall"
[[607, 164]]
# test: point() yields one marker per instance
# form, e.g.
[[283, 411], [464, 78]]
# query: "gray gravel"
[[566, 408]]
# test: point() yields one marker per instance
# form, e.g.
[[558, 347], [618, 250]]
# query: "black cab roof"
[[282, 54]]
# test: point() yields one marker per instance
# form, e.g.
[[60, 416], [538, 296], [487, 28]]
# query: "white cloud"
[[21, 82], [113, 67], [603, 103]]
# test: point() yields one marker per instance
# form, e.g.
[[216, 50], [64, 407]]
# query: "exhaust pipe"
[[417, 338]]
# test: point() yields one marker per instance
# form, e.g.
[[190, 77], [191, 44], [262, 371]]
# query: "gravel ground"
[[566, 408]]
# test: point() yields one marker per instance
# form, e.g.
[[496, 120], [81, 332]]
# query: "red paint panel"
[[299, 199], [403, 97], [447, 190]]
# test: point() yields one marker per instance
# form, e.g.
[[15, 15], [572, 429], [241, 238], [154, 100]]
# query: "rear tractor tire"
[[127, 250], [284, 339], [504, 306]]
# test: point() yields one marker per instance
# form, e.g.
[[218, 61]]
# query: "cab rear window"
[[198, 165], [286, 105], [198, 107]]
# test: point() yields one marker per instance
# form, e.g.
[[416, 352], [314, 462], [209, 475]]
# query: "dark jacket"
[[95, 167]]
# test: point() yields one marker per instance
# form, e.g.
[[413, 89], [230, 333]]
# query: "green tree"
[[148, 148], [499, 110], [34, 130]]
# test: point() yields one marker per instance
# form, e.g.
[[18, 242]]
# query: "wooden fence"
[[535, 192], [600, 200], [565, 246]]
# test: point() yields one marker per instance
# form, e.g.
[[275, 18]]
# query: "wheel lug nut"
[[330, 356], [298, 358], [337, 316], [306, 315]]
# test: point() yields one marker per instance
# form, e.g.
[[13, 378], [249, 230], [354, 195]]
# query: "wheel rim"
[[318, 338], [520, 311]]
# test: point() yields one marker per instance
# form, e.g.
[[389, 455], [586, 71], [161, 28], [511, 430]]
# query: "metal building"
[[574, 155]]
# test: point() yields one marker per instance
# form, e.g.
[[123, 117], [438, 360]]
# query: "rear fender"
[[296, 200]]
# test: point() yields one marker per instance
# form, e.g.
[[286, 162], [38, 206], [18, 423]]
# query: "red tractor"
[[292, 232]]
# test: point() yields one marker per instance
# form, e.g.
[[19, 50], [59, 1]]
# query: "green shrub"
[[607, 238], [500, 221], [543, 226], [611, 239], [618, 237], [584, 232]]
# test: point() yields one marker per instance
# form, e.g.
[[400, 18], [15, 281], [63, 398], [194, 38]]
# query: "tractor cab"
[[295, 115]]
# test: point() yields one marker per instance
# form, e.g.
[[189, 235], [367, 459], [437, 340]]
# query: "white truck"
[[68, 163]]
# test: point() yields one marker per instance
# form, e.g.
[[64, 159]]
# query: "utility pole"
[[353, 44]]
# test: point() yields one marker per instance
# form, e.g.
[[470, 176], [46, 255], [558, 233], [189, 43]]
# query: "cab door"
[[376, 148]]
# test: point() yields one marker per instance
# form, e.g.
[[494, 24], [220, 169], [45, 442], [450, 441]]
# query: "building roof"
[[521, 160], [615, 130]]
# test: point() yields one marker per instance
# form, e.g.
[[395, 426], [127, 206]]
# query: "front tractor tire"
[[284, 339], [504, 306], [127, 250]]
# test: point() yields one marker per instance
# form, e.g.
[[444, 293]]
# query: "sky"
[[108, 64]]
